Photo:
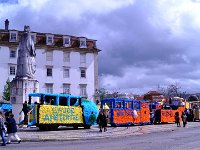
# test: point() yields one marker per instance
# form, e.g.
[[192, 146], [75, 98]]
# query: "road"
[[181, 139]]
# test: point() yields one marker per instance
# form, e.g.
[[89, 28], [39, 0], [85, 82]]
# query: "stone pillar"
[[20, 88]]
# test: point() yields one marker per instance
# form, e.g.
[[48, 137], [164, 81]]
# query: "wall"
[[57, 78]]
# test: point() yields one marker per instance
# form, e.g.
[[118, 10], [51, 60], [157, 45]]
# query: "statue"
[[26, 66]]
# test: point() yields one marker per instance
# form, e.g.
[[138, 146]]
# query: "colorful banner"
[[169, 115], [123, 116], [127, 116], [49, 114]]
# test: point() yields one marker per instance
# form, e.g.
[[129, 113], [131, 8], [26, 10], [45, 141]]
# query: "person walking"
[[100, 120], [12, 128], [2, 128], [152, 118], [104, 121], [25, 111], [184, 117], [177, 119]]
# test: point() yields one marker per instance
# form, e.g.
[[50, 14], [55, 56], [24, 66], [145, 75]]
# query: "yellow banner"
[[49, 114]]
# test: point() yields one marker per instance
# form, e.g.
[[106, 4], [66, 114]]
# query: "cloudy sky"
[[144, 43]]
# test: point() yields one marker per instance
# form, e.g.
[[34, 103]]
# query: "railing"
[[29, 117], [29, 114], [32, 115]]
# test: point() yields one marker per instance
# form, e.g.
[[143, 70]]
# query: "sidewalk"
[[66, 133]]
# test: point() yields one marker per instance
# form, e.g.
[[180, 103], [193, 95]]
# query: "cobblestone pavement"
[[64, 133]]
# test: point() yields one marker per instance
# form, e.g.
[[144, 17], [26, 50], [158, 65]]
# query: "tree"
[[172, 90], [102, 93], [6, 92], [162, 90]]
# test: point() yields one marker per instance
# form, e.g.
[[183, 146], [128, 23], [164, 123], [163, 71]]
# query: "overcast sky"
[[144, 43]]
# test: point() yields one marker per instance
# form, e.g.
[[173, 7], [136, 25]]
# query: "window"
[[83, 73], [83, 58], [12, 70], [12, 53], [128, 105], [136, 105], [83, 90], [82, 42], [33, 37], [74, 101], [63, 101], [66, 41], [49, 39], [66, 56], [49, 100], [66, 88], [118, 105], [49, 55], [94, 43], [49, 72], [65, 72], [49, 88], [13, 36]]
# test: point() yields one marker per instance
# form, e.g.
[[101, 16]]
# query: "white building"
[[64, 63]]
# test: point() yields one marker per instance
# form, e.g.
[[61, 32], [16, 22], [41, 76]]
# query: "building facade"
[[64, 63]]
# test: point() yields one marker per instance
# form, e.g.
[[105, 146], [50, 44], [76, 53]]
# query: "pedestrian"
[[12, 128], [184, 117], [152, 117], [104, 121], [6, 116], [2, 128], [177, 119], [25, 111], [99, 120]]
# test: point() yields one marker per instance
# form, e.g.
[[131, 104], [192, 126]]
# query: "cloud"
[[9, 1], [160, 40], [144, 43]]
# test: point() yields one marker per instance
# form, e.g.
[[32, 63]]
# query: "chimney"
[[6, 24]]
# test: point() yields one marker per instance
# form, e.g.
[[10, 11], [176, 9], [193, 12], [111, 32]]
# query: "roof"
[[57, 42], [153, 93], [5, 107], [50, 94]]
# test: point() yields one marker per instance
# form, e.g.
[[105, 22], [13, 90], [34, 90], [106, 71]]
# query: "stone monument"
[[24, 81]]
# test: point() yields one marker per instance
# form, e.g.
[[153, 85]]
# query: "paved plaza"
[[66, 133]]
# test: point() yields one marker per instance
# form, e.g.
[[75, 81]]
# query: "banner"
[[49, 114]]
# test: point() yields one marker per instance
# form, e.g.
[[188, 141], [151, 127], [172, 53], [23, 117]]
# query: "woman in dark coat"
[[12, 128], [100, 120], [104, 122], [177, 118]]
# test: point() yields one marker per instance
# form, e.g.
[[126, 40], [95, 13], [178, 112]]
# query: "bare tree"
[[162, 90], [171, 90]]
